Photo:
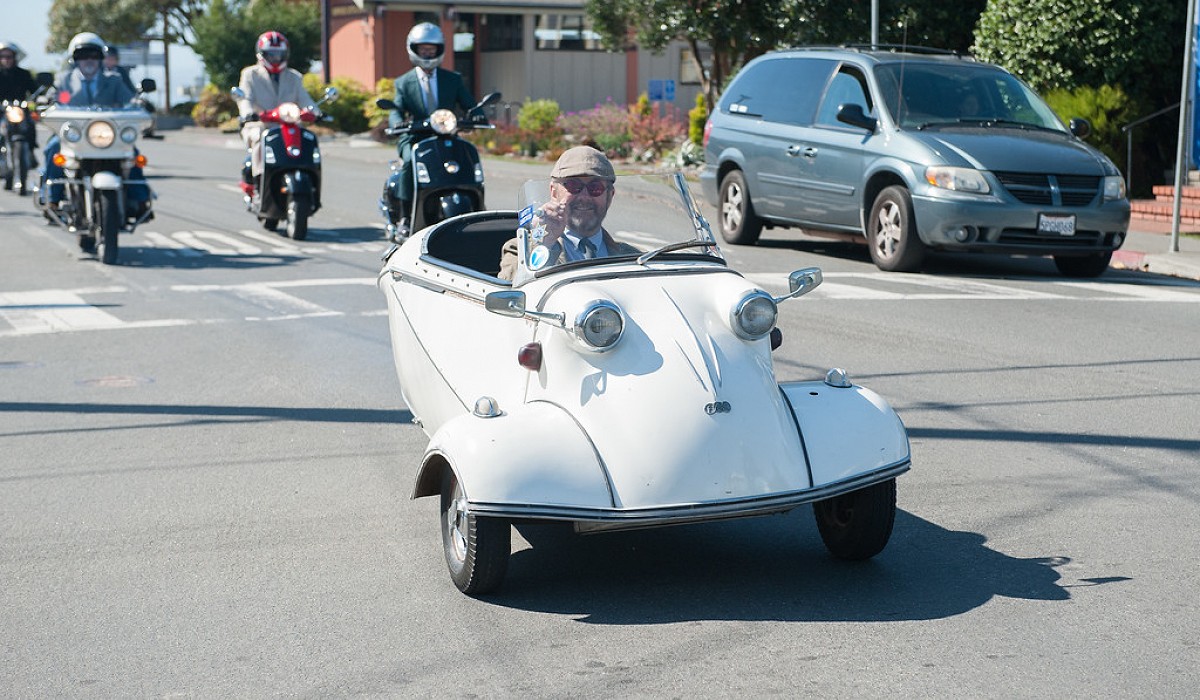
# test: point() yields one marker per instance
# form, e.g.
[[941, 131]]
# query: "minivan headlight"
[[957, 179], [1114, 187]]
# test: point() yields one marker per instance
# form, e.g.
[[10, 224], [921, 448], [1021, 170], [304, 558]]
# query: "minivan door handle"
[[795, 150]]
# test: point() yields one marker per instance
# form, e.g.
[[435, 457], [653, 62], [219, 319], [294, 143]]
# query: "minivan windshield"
[[937, 95]]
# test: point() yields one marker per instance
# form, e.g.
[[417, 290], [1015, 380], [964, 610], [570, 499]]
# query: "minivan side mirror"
[[1080, 127], [853, 115]]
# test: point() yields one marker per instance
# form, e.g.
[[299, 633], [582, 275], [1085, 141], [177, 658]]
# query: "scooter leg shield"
[[298, 182], [456, 203]]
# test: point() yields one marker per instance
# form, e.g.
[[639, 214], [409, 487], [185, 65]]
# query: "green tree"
[[225, 35], [928, 23]]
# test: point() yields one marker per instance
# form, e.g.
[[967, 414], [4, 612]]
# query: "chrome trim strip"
[[595, 519]]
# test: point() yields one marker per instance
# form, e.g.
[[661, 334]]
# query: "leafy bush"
[[1106, 107], [500, 141], [538, 121], [653, 134], [607, 124], [214, 108], [349, 110], [697, 118]]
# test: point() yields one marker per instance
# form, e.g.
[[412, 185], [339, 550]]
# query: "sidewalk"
[[1147, 249]]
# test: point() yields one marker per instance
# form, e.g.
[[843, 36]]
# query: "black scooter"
[[447, 172], [18, 125], [289, 188]]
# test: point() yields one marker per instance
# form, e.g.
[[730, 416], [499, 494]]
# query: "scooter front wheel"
[[270, 224], [299, 206]]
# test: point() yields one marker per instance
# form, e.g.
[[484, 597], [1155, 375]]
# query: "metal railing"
[[1128, 130]]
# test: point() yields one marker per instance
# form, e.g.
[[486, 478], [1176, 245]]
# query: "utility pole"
[[1185, 117]]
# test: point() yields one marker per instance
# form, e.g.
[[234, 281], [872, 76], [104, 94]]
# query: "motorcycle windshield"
[[635, 216]]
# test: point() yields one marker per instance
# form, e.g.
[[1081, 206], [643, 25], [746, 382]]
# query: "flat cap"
[[583, 161]]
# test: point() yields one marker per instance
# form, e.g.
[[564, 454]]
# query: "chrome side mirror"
[[237, 92], [506, 303], [802, 282], [331, 94]]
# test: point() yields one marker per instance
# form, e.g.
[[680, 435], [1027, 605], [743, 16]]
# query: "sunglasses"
[[594, 188]]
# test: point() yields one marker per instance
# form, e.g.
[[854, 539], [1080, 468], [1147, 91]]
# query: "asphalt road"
[[205, 465]]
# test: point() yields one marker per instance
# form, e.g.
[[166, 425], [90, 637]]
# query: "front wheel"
[[1082, 265], [24, 165], [892, 232], [476, 548], [739, 223], [858, 525], [110, 225], [298, 208]]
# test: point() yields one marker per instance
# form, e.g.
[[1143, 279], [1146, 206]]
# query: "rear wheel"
[[892, 232], [476, 548], [298, 209], [8, 169], [1082, 265], [739, 223], [110, 226], [858, 525]]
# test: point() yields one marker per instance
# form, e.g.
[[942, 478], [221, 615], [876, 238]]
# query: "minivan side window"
[[782, 90], [848, 86]]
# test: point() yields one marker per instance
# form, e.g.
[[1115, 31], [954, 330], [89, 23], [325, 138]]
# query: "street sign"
[[661, 90]]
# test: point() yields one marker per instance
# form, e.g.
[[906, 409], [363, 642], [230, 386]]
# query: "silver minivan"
[[913, 150]]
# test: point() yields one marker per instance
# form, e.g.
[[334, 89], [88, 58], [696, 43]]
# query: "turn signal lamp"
[[530, 356], [60, 160], [140, 160]]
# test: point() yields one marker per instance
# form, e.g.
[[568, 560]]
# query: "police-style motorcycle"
[[447, 172], [97, 154], [289, 187]]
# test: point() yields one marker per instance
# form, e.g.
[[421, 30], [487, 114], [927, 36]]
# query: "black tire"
[[892, 232], [9, 174], [858, 525], [270, 224], [298, 208], [1082, 265], [476, 548], [738, 222], [109, 210], [24, 163]]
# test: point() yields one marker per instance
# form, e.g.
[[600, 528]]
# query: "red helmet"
[[272, 51]]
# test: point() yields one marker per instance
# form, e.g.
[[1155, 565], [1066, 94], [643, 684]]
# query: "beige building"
[[527, 49]]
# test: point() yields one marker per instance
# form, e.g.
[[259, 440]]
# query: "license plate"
[[1056, 225]]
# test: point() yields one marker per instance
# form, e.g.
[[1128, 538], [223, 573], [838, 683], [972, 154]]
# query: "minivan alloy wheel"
[[892, 232]]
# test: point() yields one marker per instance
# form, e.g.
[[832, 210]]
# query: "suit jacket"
[[107, 90], [452, 94], [508, 254], [16, 83], [264, 94]]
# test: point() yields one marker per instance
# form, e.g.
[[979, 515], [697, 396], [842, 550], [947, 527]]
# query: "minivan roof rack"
[[888, 48]]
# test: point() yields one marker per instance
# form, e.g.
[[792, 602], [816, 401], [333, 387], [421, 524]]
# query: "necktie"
[[430, 100], [587, 249], [87, 84]]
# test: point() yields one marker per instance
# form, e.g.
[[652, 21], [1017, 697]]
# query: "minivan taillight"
[[707, 131]]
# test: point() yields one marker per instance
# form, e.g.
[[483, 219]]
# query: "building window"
[[502, 32], [565, 33]]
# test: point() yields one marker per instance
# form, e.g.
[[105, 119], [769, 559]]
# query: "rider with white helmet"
[[266, 85], [419, 92]]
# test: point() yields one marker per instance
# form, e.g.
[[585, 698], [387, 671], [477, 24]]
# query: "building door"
[[463, 45]]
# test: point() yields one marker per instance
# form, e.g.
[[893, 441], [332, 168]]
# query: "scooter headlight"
[[754, 315], [71, 133], [129, 134], [600, 326], [289, 112], [443, 121], [101, 134], [14, 114]]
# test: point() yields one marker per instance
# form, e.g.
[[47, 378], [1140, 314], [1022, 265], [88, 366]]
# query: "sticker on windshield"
[[539, 257], [525, 216]]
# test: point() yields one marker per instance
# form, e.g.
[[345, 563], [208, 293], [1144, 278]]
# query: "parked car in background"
[[916, 150]]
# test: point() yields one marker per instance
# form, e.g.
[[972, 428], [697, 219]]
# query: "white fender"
[[105, 180], [535, 456], [846, 431]]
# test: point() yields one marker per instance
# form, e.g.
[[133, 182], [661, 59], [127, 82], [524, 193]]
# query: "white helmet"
[[426, 33], [18, 54], [86, 45]]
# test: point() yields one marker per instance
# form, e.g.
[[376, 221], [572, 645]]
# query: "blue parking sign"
[[661, 90]]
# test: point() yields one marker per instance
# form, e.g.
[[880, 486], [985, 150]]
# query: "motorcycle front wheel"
[[298, 208], [110, 225]]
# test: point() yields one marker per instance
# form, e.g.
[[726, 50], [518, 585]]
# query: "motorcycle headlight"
[[289, 112], [957, 179], [600, 326], [754, 315], [443, 121], [71, 133], [101, 134], [1114, 187], [129, 134], [14, 114]]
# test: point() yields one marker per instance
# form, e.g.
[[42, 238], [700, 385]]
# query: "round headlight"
[[443, 121], [101, 134], [600, 326], [754, 315], [289, 112], [129, 134], [14, 114], [71, 133]]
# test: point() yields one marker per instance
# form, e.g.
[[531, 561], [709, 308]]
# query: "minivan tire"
[[892, 232], [739, 224], [1082, 266]]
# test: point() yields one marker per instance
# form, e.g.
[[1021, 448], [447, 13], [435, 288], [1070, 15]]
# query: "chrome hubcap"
[[887, 230], [731, 208]]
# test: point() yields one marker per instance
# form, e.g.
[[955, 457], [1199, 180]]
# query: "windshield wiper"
[[1006, 123], [648, 256]]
